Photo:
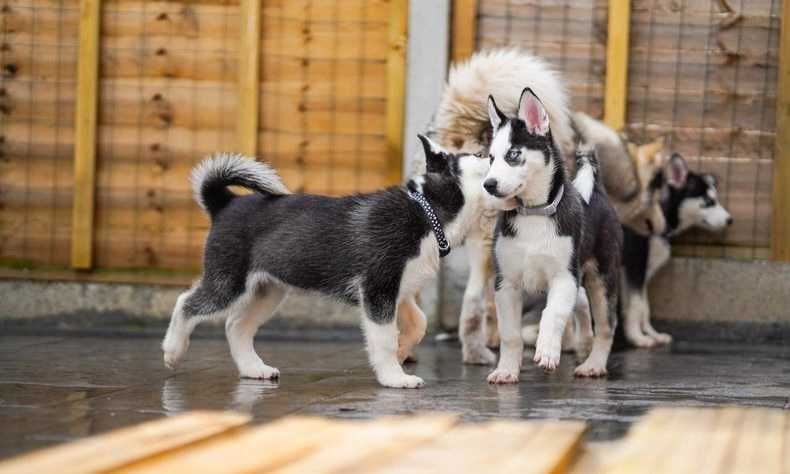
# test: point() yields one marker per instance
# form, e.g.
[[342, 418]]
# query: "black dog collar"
[[548, 210], [438, 232]]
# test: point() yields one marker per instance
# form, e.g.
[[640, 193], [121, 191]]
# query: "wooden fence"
[[106, 106], [711, 75]]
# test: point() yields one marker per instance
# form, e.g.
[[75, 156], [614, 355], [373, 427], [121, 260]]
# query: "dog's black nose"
[[729, 221], [490, 186]]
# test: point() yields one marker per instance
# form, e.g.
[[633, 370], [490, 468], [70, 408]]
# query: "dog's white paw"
[[662, 338], [402, 381], [173, 352], [530, 334], [643, 341], [590, 369], [479, 356], [261, 372], [502, 376], [547, 352]]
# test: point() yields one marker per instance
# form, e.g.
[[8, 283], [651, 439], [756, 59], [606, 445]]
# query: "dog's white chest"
[[536, 255]]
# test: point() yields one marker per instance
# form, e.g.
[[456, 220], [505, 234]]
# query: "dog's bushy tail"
[[211, 178], [586, 171]]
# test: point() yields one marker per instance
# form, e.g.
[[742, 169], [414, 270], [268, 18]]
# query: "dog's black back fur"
[[335, 246]]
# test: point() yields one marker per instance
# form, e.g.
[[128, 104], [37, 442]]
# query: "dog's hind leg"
[[176, 341], [472, 326], [583, 336], [257, 307], [603, 301], [200, 303], [412, 324]]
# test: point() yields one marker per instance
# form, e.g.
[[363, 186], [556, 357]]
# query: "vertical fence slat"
[[780, 238], [464, 31], [396, 87], [249, 75], [617, 44], [85, 136]]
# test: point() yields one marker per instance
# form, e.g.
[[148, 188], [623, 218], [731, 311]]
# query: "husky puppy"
[[548, 239], [373, 250], [688, 200], [462, 124]]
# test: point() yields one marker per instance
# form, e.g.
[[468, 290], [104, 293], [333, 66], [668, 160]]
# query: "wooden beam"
[[464, 33], [249, 76], [396, 87], [123, 447], [85, 136], [617, 46], [780, 226]]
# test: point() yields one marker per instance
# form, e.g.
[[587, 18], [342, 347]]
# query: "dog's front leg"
[[381, 334], [635, 309], [474, 309], [560, 301], [511, 346], [647, 328]]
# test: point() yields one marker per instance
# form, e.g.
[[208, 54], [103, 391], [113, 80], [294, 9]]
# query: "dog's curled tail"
[[211, 178], [586, 171]]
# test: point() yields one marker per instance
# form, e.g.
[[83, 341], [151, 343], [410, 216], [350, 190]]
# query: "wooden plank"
[[617, 63], [372, 444], [732, 439], [122, 447], [520, 447], [249, 76], [85, 135], [464, 32], [260, 449], [396, 87], [780, 233], [552, 449]]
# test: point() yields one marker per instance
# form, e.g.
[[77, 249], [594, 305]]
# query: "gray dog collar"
[[547, 210]]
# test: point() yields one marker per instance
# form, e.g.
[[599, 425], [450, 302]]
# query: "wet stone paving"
[[56, 389]]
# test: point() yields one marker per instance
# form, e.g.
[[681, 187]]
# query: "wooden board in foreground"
[[705, 440], [111, 451]]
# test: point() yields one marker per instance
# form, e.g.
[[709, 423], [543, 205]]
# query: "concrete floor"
[[55, 389]]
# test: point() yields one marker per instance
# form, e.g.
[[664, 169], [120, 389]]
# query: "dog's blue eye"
[[513, 154], [708, 202]]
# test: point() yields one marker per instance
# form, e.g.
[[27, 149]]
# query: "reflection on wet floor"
[[57, 389]]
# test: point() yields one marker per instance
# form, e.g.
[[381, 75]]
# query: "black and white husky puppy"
[[548, 239], [374, 251], [687, 200]]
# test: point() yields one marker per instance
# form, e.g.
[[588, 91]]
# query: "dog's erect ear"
[[532, 111], [494, 114], [676, 171], [435, 159]]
